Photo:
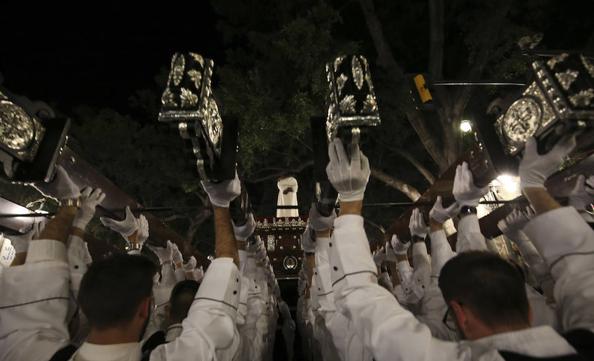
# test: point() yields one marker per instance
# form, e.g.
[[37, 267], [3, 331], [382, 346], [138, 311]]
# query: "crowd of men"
[[462, 303]]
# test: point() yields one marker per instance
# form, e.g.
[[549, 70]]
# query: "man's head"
[[485, 293], [116, 294], [181, 300]]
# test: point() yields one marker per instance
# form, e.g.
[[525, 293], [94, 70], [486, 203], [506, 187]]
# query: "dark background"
[[89, 62]]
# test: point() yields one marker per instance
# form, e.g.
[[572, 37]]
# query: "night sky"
[[102, 53], [99, 55]]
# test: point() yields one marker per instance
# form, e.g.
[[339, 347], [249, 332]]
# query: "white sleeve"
[[404, 292], [180, 274], [433, 306], [441, 251], [405, 272], [535, 263], [542, 313], [209, 329], [78, 260], [321, 281], [168, 279], [432, 311], [34, 304], [385, 281], [386, 329], [422, 263], [566, 243], [470, 237], [243, 296]]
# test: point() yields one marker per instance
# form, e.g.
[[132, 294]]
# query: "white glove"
[[261, 254], [513, 223], [417, 224], [198, 274], [244, 232], [165, 254], [126, 228], [176, 254], [190, 265], [465, 192], [379, 257], [143, 230], [319, 222], [89, 199], [255, 244], [582, 195], [221, 194], [535, 168], [398, 247], [440, 214], [308, 243], [389, 252], [62, 187], [349, 177]]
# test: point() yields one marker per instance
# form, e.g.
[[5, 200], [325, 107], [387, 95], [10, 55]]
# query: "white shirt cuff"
[[469, 224], [350, 256]]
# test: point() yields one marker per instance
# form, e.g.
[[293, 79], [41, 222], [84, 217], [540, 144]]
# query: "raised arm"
[[34, 297], [561, 236], [210, 329], [467, 195], [386, 329]]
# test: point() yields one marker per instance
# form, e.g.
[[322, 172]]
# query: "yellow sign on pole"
[[424, 93]]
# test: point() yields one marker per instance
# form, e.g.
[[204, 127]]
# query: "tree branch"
[[387, 61], [411, 192], [195, 222], [418, 166], [429, 142], [385, 58], [174, 217], [412, 160], [436, 33], [475, 72], [282, 172]]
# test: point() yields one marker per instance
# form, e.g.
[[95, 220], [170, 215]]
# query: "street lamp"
[[465, 126], [508, 182]]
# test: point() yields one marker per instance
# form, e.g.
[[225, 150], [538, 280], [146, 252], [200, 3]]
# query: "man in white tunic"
[[392, 333]]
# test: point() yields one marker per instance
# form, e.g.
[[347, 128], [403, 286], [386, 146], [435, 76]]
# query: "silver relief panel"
[[351, 96]]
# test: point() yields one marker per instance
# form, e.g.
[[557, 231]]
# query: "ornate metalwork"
[[351, 101], [20, 133], [566, 78], [558, 100], [583, 98], [188, 100], [522, 119]]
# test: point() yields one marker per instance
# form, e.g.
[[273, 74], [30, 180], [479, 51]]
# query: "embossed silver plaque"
[[560, 99], [351, 101]]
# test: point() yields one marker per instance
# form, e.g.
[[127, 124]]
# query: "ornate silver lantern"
[[29, 145], [188, 101], [352, 103], [559, 101]]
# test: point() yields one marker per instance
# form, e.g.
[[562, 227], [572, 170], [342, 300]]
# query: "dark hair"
[[491, 286], [181, 299], [112, 289]]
